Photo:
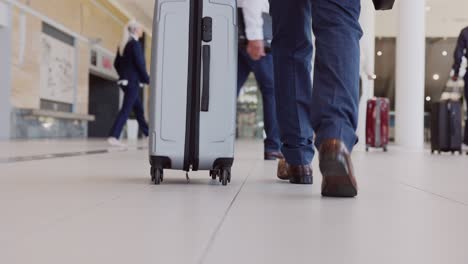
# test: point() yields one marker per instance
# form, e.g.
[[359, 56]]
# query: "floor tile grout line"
[[50, 156], [433, 193], [226, 213]]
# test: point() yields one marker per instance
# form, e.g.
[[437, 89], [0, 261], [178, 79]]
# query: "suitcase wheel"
[[225, 176], [385, 149], [214, 174], [157, 175], [367, 148]]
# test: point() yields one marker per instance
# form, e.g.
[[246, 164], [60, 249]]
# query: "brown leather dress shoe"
[[337, 170], [273, 155], [295, 174]]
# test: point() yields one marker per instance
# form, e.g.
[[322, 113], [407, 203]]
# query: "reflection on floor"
[[101, 208]]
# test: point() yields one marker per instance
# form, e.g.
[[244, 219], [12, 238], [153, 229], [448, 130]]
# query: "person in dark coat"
[[460, 52], [131, 67]]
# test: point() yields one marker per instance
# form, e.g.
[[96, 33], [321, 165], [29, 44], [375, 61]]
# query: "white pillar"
[[367, 21], [5, 70], [410, 74]]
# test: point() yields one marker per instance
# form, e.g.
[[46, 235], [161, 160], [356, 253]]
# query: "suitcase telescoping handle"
[[205, 99]]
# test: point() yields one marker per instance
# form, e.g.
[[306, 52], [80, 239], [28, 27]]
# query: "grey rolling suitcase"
[[193, 87]]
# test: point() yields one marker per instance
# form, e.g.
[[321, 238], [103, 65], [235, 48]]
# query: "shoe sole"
[[302, 180], [338, 181]]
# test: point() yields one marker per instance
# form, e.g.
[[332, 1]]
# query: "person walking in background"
[[330, 109], [460, 52], [131, 67], [253, 58]]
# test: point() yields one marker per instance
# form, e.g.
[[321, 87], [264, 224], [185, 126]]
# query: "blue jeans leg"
[[130, 97], [292, 52], [335, 97], [331, 107], [263, 71], [243, 70]]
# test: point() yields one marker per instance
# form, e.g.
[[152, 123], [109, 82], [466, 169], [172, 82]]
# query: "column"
[[367, 21], [5, 70], [410, 75]]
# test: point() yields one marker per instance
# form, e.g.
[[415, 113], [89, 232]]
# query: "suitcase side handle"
[[205, 99]]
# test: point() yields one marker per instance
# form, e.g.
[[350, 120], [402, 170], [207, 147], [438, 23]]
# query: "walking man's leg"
[[243, 69], [292, 51], [263, 70], [336, 91], [332, 108]]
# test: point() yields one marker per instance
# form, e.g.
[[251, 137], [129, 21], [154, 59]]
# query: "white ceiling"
[[444, 19]]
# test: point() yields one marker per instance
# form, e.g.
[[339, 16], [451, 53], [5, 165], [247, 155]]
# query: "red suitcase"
[[377, 123]]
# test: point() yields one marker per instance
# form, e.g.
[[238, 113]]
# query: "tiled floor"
[[412, 208]]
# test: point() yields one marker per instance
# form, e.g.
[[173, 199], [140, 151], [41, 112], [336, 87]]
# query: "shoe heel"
[[305, 180], [338, 183]]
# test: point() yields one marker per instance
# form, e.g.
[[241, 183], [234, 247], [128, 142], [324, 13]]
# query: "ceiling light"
[[379, 53], [436, 77], [428, 98], [428, 8], [444, 53]]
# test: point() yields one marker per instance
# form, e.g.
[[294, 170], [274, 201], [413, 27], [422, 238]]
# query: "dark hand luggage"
[[446, 126], [377, 123]]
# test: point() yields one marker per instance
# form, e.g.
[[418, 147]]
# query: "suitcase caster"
[[367, 148], [385, 149], [225, 177], [214, 174], [157, 176]]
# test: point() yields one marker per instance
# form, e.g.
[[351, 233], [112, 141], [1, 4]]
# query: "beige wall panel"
[[97, 23], [88, 18], [25, 82], [82, 99], [66, 12]]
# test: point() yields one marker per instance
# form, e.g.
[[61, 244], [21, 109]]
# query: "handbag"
[[384, 4], [267, 30]]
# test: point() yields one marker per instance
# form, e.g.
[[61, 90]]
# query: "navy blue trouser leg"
[[140, 114], [263, 71], [130, 97], [330, 107], [465, 140]]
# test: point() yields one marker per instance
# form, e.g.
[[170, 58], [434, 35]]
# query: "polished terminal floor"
[[90, 205]]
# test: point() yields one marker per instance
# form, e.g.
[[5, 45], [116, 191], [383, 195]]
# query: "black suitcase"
[[446, 127]]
